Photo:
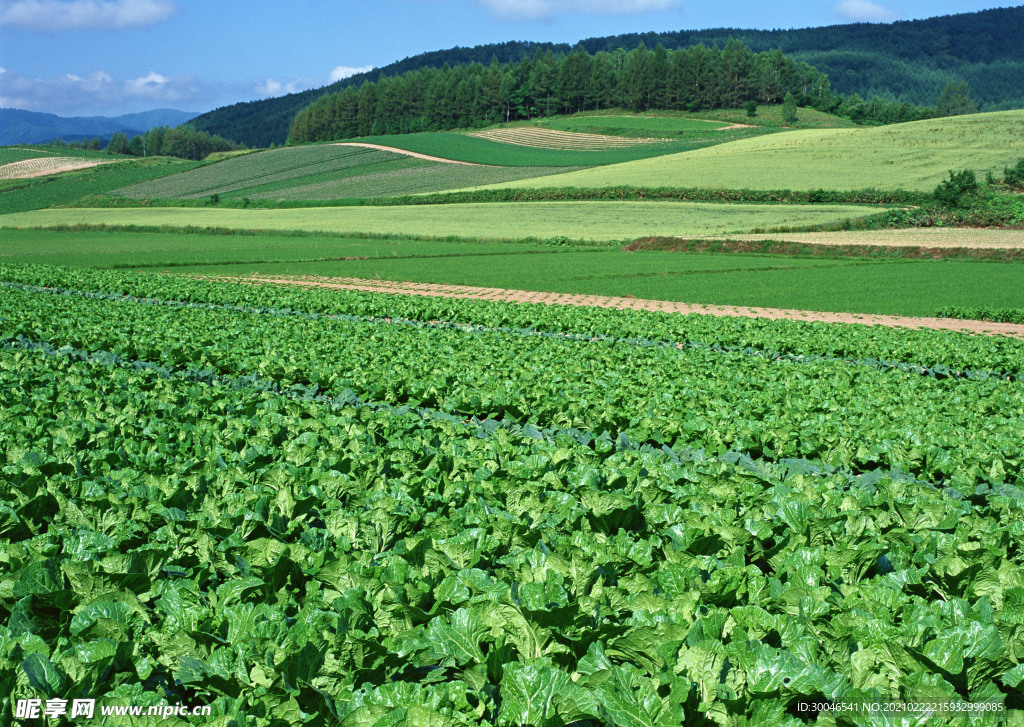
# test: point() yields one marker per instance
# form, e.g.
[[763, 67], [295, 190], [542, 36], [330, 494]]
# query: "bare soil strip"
[[555, 139], [44, 166], [396, 150], [664, 306]]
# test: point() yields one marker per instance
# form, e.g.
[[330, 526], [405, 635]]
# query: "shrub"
[[956, 191], [1014, 176]]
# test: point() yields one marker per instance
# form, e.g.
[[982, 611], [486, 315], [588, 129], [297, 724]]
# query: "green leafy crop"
[[311, 508]]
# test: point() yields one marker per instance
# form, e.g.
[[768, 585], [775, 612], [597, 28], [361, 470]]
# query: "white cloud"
[[865, 11], [99, 93], [49, 15], [273, 87], [341, 72], [541, 9]]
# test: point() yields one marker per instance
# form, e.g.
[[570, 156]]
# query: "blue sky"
[[109, 57]]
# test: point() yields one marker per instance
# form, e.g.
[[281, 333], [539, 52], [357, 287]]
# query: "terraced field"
[[914, 156]]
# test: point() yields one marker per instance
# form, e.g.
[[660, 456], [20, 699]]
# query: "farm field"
[[104, 249], [426, 502], [912, 288], [322, 172], [20, 195], [915, 156], [470, 148], [541, 220], [841, 284], [946, 237], [321, 506]]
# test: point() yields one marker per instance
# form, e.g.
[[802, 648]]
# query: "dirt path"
[[396, 150], [600, 301]]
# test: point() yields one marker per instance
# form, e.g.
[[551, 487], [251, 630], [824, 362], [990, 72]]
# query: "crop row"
[[295, 561], [936, 350], [963, 432]]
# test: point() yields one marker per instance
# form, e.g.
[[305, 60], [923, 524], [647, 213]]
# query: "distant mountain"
[[31, 127], [908, 61]]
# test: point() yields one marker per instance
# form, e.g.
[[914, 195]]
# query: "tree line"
[[546, 84], [182, 141]]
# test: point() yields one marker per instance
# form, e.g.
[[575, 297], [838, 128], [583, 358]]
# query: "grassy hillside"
[[20, 195], [690, 125], [323, 172], [916, 155], [477, 150], [573, 220]]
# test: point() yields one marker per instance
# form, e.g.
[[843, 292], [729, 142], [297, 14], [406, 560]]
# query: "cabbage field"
[[322, 507]]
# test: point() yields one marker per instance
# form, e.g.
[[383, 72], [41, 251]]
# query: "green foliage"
[[751, 108], [1014, 176], [956, 100], [544, 85], [789, 109], [996, 315], [958, 190], [183, 142], [527, 516]]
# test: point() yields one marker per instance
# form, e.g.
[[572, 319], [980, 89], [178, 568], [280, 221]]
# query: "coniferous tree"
[[956, 100]]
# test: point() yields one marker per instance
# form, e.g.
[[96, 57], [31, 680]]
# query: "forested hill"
[[908, 61]]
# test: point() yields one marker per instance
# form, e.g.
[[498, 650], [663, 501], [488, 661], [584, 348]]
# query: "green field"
[[466, 148], [19, 195], [914, 156], [107, 249], [632, 125], [861, 285], [502, 221], [323, 172]]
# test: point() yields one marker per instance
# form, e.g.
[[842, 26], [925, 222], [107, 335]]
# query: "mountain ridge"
[[18, 126], [907, 60]]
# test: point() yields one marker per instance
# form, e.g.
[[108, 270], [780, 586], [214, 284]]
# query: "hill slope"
[[916, 155], [906, 61]]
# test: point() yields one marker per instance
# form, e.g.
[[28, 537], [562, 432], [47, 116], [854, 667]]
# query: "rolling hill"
[[908, 61], [916, 155]]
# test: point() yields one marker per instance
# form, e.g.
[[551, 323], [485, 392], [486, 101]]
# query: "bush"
[[957, 190], [1014, 176]]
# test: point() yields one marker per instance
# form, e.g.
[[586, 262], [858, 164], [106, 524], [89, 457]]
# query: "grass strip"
[[806, 249]]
